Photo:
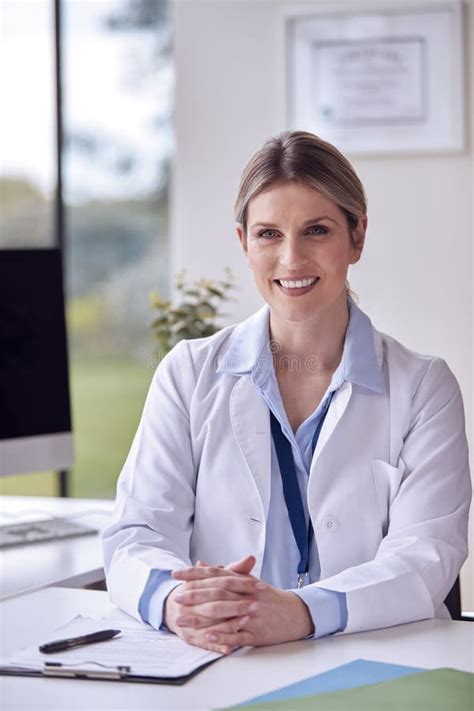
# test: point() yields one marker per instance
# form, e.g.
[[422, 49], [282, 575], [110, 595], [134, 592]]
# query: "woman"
[[317, 466]]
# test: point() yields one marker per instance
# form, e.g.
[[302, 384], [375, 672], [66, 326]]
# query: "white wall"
[[416, 277]]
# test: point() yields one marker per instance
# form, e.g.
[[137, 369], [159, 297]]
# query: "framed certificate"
[[378, 81]]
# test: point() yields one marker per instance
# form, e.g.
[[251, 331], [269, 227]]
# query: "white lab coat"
[[388, 492]]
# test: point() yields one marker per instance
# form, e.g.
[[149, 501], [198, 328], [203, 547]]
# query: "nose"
[[292, 255]]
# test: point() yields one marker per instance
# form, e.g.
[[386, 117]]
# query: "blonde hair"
[[298, 156]]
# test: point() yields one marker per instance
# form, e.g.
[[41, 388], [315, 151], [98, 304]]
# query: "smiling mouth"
[[297, 283], [296, 287]]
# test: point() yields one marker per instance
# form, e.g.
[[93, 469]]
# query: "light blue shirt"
[[281, 555]]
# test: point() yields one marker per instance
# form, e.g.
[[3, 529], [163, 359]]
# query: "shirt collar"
[[250, 351]]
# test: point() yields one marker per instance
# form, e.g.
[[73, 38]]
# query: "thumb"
[[243, 566]]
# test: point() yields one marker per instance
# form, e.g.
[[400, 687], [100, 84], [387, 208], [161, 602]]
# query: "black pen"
[[62, 644]]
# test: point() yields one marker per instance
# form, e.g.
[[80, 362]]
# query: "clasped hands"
[[221, 608]]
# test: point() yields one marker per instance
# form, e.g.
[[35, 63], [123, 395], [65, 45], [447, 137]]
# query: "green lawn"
[[107, 400]]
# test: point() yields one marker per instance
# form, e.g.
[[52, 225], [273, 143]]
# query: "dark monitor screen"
[[34, 385]]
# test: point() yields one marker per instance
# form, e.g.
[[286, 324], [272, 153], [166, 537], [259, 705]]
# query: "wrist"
[[169, 612], [304, 626]]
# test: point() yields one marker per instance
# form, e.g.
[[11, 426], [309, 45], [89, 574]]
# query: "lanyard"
[[291, 490]]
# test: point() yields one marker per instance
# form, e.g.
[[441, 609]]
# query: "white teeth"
[[297, 283]]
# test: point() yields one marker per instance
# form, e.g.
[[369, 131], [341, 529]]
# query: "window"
[[27, 147], [117, 84]]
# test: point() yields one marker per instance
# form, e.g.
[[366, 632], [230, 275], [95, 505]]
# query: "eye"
[[267, 234], [318, 230]]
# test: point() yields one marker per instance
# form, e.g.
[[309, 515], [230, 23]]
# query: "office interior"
[[124, 129]]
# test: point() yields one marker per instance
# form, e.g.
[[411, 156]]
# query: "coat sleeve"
[[152, 520], [425, 546]]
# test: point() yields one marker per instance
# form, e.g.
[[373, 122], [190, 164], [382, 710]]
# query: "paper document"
[[146, 651]]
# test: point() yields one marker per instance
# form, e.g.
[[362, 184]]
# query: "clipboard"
[[120, 673], [140, 654]]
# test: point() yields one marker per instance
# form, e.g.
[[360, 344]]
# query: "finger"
[[199, 573], [244, 565], [225, 609], [197, 596], [201, 564], [196, 622], [232, 639], [232, 625], [199, 641], [233, 583], [230, 583]]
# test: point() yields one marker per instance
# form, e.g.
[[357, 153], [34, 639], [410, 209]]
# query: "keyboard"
[[50, 529]]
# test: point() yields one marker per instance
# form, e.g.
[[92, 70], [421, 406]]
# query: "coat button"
[[330, 523]]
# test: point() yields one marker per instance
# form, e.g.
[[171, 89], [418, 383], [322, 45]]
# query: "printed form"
[[146, 651]]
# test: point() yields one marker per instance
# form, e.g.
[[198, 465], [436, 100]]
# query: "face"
[[299, 248]]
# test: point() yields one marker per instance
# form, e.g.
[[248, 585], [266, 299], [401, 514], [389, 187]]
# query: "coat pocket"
[[387, 480]]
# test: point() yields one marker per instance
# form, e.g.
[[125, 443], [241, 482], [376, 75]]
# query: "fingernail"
[[180, 597], [261, 586], [244, 620], [252, 607]]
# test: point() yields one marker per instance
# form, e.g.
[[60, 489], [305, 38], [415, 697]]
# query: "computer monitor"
[[35, 418]]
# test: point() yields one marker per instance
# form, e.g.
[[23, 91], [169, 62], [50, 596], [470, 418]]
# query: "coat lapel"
[[335, 412], [251, 425]]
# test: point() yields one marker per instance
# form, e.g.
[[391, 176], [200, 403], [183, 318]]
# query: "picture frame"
[[378, 80]]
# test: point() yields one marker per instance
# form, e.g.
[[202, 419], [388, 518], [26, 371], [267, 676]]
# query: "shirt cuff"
[[328, 609], [152, 601]]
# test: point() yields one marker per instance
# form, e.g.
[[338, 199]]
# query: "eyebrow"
[[307, 222]]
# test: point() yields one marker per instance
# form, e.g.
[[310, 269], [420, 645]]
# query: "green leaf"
[[163, 320], [194, 312], [215, 291]]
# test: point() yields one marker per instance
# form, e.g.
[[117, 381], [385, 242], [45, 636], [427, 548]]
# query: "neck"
[[320, 338]]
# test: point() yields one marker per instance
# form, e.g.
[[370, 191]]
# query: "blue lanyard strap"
[[291, 489]]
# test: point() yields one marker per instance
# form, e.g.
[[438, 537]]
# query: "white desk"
[[25, 620], [73, 562]]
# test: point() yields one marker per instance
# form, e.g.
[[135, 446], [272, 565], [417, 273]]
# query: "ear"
[[358, 238], [239, 228]]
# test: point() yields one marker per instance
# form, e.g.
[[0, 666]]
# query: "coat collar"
[[249, 351], [249, 344]]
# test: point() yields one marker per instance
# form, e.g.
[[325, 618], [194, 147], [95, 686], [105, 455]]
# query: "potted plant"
[[193, 313]]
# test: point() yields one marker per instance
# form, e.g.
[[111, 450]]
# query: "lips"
[[297, 287], [297, 283]]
